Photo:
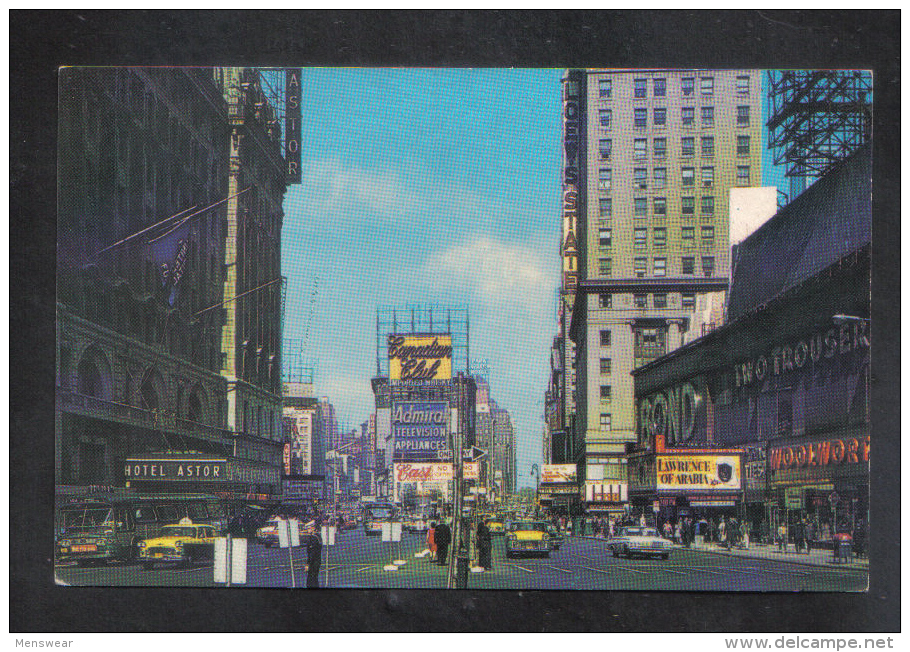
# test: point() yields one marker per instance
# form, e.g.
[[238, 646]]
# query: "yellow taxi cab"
[[183, 542], [527, 538], [496, 526]]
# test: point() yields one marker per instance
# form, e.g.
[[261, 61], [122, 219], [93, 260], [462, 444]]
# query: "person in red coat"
[[431, 540]]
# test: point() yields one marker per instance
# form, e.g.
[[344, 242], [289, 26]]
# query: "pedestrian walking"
[[677, 532], [313, 544], [782, 537], [799, 536], [485, 545], [722, 532], [810, 535], [431, 540], [443, 537]]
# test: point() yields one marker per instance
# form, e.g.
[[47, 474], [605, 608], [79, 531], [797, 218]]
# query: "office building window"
[[640, 148], [707, 234], [605, 89], [640, 178], [641, 118], [688, 238], [660, 178], [688, 177], [688, 265], [605, 338], [707, 146], [707, 177], [605, 179], [660, 205], [743, 145], [605, 206], [742, 116], [742, 175], [742, 85], [650, 342], [641, 206], [688, 86], [606, 237], [707, 85], [688, 300], [688, 205], [606, 300], [606, 118], [660, 300], [660, 87], [606, 366], [660, 237], [660, 267], [605, 392], [707, 205], [606, 148], [641, 239], [640, 267], [660, 148], [605, 420], [605, 266], [641, 88], [707, 116], [640, 300], [688, 115], [688, 146], [707, 265], [660, 117]]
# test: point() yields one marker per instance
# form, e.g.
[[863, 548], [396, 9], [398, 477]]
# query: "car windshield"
[[649, 532], [76, 518], [529, 527], [178, 531], [632, 532]]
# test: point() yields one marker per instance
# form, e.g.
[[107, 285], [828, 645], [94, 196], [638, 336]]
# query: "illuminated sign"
[[423, 472], [558, 473], [849, 450], [172, 469], [672, 413], [600, 492], [292, 123], [420, 431], [683, 472], [420, 357], [571, 140]]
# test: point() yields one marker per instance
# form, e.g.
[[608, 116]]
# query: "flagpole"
[[169, 219], [237, 296]]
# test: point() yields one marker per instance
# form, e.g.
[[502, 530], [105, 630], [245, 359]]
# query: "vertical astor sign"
[[292, 123]]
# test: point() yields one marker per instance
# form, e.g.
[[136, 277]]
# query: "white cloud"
[[331, 188], [498, 272]]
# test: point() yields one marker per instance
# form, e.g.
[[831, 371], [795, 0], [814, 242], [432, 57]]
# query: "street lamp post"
[[535, 473]]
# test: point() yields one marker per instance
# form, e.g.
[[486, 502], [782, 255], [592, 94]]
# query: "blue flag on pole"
[[170, 252]]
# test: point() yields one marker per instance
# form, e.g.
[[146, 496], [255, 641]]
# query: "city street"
[[357, 561]]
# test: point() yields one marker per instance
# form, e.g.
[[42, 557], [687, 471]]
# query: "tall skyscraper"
[[650, 157]]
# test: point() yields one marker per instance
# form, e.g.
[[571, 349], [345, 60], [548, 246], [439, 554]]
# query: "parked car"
[[184, 543], [643, 541], [267, 535], [497, 527], [527, 538]]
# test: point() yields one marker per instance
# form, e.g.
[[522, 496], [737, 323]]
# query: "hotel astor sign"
[[189, 469]]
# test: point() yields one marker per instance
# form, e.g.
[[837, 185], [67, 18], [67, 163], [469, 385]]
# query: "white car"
[[643, 541]]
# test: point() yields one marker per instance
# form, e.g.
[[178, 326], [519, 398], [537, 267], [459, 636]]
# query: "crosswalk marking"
[[365, 568], [703, 570], [558, 568], [596, 570], [522, 568], [633, 570]]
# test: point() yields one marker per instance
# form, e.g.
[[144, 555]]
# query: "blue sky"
[[428, 187]]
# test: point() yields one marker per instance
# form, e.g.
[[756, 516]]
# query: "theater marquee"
[[698, 472]]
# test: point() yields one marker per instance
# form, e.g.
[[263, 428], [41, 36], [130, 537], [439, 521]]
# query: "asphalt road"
[[357, 561]]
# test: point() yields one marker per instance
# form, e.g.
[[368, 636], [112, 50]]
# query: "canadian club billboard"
[[420, 357]]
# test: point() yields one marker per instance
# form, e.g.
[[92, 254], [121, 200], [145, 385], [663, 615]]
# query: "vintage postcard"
[[556, 329]]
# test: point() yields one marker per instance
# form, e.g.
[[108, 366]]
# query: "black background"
[[40, 41]]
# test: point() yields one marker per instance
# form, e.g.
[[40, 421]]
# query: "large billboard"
[[559, 473], [433, 472], [684, 472], [419, 430], [420, 357]]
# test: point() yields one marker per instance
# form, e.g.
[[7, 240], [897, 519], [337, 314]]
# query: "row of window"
[[657, 300], [659, 147], [686, 87], [658, 206], [658, 178], [686, 118], [659, 265], [658, 236]]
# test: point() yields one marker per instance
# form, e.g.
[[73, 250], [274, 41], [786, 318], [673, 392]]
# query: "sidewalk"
[[818, 557]]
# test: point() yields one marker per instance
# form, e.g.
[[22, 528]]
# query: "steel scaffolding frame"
[[427, 319], [817, 118]]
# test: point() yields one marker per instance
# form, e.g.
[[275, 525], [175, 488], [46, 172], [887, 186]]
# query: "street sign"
[[473, 454], [328, 535], [230, 560]]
